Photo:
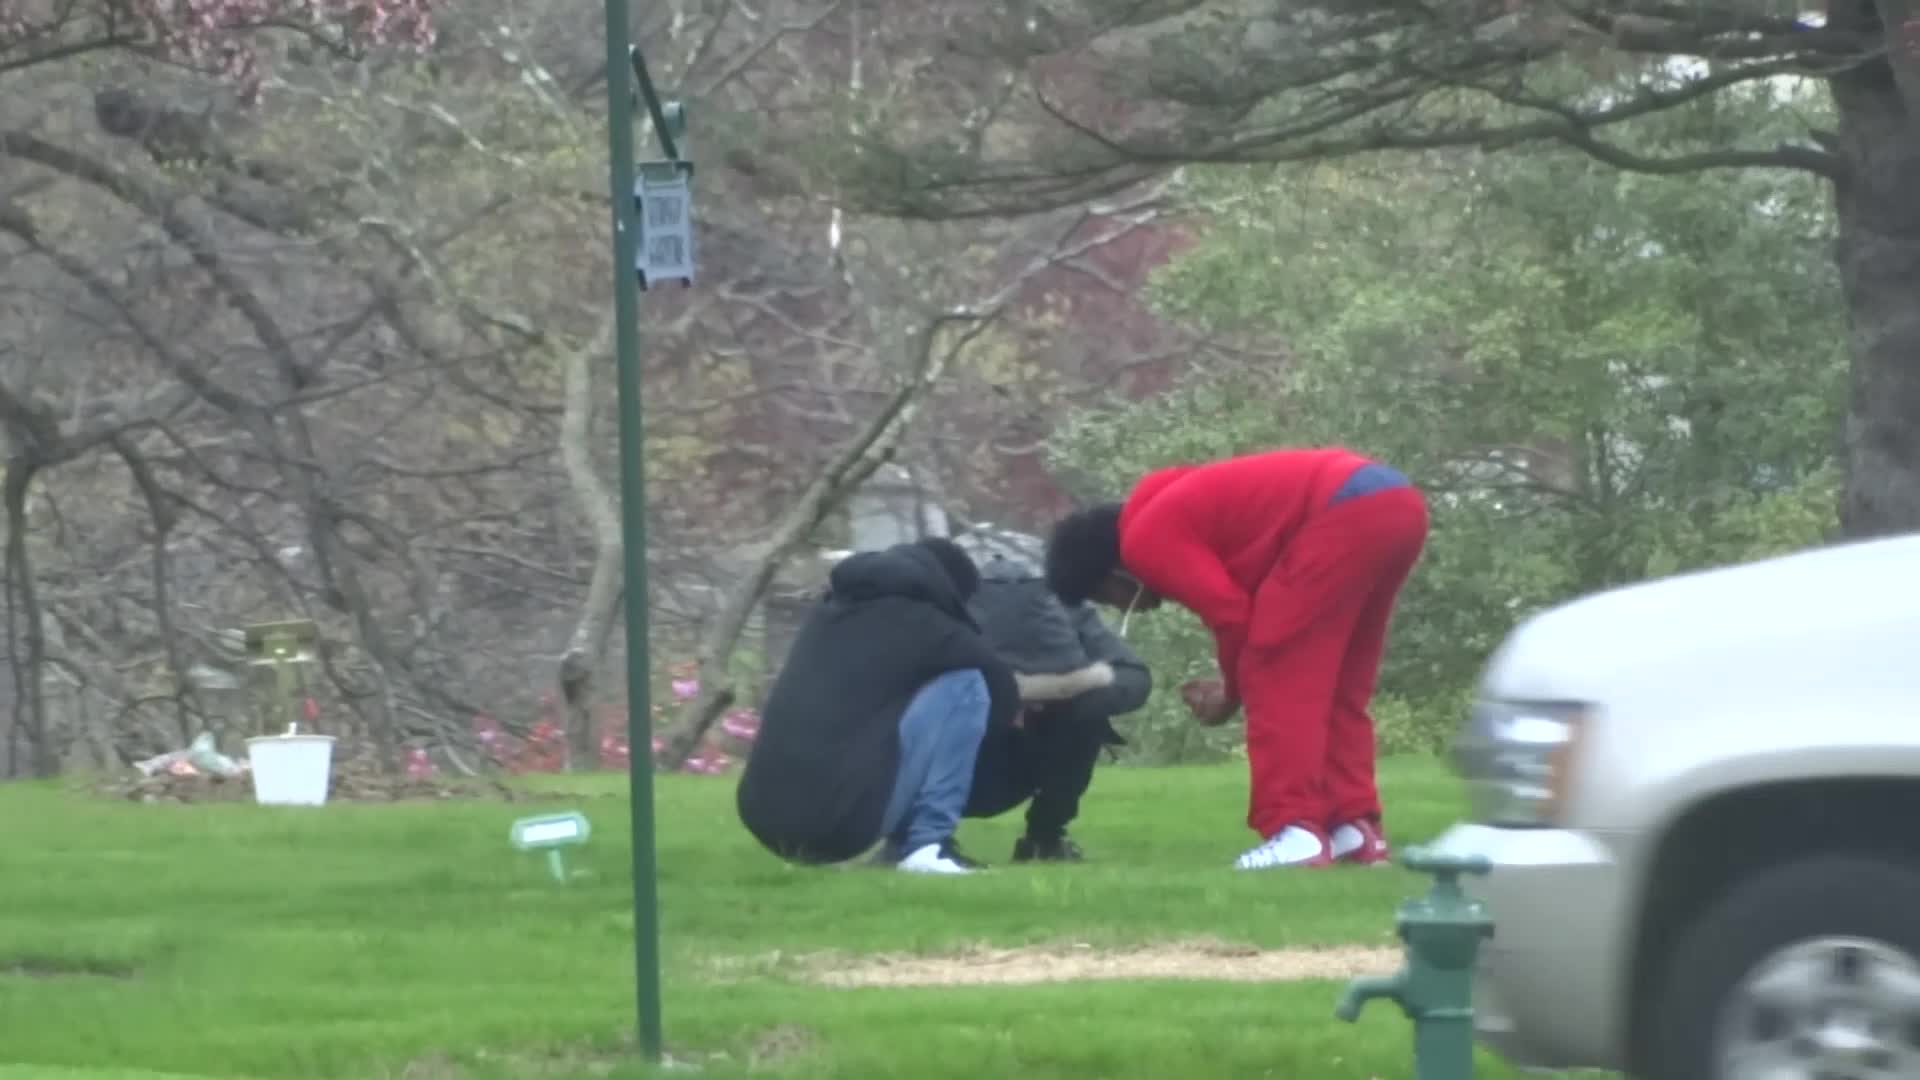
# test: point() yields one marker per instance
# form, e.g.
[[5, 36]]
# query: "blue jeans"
[[1368, 479], [940, 735]]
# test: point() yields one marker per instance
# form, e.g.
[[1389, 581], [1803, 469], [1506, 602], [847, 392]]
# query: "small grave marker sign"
[[553, 834]]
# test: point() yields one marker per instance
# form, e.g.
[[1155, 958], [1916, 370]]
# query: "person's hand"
[[1207, 700], [1216, 712]]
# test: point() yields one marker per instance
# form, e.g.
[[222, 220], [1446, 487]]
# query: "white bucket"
[[291, 770]]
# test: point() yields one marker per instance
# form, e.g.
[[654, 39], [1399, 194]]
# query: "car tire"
[[1830, 896]]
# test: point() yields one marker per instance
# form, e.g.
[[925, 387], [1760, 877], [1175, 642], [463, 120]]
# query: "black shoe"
[[1047, 849], [952, 851]]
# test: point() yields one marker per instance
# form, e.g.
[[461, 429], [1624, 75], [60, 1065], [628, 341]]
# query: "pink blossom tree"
[[212, 36]]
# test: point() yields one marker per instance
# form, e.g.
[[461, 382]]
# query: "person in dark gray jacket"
[[1075, 676]]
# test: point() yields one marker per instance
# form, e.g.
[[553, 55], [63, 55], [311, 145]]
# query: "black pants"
[[1049, 760]]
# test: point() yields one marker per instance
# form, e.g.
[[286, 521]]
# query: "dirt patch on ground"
[[54, 967], [354, 781], [1044, 964], [770, 1048], [779, 1044]]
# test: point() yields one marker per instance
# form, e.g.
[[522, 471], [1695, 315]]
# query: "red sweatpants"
[[1312, 658]]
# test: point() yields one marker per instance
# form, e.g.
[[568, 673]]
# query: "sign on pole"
[[663, 204]]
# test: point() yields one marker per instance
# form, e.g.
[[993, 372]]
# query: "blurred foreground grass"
[[166, 941]]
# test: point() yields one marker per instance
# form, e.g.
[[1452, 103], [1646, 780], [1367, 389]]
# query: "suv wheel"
[[1806, 971]]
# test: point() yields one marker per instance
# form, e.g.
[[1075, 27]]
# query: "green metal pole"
[[633, 520], [1443, 1047]]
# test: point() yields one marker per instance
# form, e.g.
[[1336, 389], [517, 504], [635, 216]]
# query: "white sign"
[[663, 207], [558, 830], [549, 830], [552, 833]]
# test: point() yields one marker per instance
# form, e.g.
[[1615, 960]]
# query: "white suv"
[[1701, 799]]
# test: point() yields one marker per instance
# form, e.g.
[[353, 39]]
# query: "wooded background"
[[304, 312]]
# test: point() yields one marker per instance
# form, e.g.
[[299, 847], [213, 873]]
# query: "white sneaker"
[[1296, 845], [1361, 843], [937, 859]]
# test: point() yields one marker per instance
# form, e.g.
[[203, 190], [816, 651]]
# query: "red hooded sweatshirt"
[[1206, 536]]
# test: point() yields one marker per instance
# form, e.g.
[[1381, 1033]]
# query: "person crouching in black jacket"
[[1075, 675], [872, 726]]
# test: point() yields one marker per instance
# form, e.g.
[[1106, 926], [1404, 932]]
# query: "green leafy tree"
[[1108, 94], [1597, 377]]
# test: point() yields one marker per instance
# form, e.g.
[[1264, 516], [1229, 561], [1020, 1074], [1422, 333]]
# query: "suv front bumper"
[[1548, 990]]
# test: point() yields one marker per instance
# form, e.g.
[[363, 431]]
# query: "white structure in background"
[[984, 541], [892, 507]]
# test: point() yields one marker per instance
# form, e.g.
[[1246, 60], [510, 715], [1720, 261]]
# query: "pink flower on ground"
[[685, 689], [419, 765], [613, 751], [742, 724]]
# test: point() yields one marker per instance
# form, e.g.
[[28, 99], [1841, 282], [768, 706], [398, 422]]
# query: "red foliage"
[[1108, 334], [212, 35], [543, 748]]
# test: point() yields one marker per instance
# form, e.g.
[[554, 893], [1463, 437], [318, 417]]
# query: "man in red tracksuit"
[[1293, 559]]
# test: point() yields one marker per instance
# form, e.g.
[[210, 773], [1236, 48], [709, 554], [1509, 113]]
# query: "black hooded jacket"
[[822, 769], [1039, 636]]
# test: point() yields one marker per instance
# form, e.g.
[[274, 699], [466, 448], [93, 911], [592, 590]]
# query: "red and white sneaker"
[[1359, 842], [1295, 845]]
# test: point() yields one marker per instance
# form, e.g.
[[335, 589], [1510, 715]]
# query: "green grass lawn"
[[364, 941]]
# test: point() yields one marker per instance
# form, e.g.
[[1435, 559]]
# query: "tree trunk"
[[855, 461], [23, 601], [853, 464], [928, 351], [162, 518], [587, 646], [1878, 251]]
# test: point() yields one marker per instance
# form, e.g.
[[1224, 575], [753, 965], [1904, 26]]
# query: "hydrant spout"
[[1361, 991]]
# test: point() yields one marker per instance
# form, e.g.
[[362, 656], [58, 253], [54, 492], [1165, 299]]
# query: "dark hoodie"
[[1060, 653], [822, 770]]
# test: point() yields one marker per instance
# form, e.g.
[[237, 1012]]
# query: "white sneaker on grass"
[[1295, 845], [941, 858], [1361, 843]]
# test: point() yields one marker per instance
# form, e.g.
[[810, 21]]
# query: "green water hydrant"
[[1442, 931]]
